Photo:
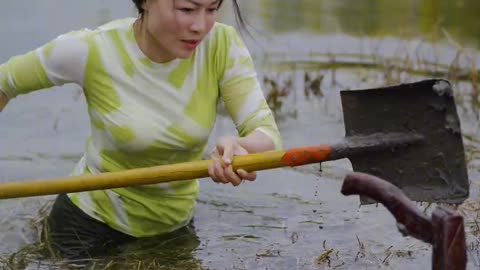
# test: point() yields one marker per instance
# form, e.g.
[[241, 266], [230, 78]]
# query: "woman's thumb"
[[227, 156]]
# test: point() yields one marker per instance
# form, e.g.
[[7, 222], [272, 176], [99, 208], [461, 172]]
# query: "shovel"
[[407, 133], [433, 171]]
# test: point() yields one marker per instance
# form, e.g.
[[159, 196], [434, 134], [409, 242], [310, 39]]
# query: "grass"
[[149, 254], [33, 252], [327, 257]]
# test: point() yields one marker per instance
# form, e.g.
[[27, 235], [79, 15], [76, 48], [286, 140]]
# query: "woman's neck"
[[147, 44]]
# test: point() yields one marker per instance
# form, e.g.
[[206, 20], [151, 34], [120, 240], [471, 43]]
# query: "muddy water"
[[288, 218]]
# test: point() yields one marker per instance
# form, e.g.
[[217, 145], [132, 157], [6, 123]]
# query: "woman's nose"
[[199, 23]]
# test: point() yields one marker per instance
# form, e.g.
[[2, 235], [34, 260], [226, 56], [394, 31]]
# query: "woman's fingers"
[[215, 171], [232, 177], [211, 172], [226, 147], [226, 174], [225, 150], [250, 176], [220, 171]]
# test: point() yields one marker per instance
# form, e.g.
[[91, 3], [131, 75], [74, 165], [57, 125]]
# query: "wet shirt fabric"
[[144, 113]]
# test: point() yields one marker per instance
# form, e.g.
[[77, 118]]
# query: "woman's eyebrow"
[[199, 4]]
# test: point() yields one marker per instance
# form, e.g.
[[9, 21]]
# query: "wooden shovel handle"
[[161, 174]]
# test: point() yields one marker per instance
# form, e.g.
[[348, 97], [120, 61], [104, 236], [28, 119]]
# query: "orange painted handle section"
[[306, 155]]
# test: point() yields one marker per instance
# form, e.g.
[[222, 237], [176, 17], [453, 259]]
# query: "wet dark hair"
[[238, 14]]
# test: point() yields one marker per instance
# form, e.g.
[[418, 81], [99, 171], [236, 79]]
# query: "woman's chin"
[[185, 54]]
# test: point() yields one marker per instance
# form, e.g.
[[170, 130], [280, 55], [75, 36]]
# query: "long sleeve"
[[60, 61], [242, 92]]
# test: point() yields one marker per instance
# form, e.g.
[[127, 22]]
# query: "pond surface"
[[306, 51]]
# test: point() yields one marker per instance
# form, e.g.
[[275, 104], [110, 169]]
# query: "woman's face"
[[178, 26]]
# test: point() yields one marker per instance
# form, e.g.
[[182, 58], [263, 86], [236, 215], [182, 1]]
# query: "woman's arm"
[[60, 61], [246, 104], [243, 97], [257, 141]]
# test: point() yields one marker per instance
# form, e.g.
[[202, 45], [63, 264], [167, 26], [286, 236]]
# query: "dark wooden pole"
[[444, 230]]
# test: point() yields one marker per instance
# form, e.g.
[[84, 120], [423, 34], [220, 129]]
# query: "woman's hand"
[[226, 148]]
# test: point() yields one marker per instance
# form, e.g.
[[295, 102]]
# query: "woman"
[[151, 84]]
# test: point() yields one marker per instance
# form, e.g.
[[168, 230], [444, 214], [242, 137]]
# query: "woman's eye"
[[211, 10], [186, 10]]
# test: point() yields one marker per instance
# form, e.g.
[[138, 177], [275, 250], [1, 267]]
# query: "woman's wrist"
[[256, 141]]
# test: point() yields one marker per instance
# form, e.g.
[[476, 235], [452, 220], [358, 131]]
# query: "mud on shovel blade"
[[433, 171]]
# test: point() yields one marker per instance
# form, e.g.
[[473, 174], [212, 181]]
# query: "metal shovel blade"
[[433, 171]]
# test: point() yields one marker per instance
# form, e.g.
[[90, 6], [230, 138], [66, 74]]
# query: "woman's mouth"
[[190, 44]]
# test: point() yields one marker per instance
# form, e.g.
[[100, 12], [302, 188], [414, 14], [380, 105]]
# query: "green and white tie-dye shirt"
[[144, 113]]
